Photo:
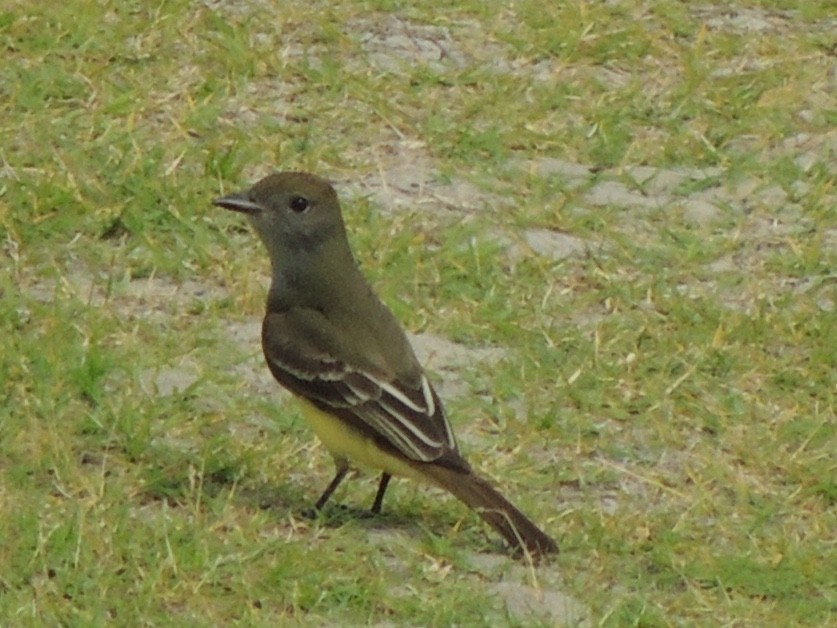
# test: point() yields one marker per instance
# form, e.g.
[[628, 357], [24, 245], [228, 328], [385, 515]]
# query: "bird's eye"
[[299, 204]]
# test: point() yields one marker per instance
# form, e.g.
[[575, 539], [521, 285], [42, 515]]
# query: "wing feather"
[[405, 415]]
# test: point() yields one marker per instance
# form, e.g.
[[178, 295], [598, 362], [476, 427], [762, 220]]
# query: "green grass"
[[665, 403]]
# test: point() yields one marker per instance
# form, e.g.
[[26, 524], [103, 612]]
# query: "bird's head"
[[289, 210]]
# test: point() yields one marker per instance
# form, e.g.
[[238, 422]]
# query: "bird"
[[330, 341]]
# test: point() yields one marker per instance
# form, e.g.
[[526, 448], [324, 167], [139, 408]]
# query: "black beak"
[[238, 202]]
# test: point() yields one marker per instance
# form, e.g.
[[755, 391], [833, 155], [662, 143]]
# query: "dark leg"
[[342, 470], [382, 488]]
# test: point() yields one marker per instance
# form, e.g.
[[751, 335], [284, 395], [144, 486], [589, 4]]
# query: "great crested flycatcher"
[[329, 340]]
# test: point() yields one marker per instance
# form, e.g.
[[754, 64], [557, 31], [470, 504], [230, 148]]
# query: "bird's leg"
[[382, 488], [342, 470]]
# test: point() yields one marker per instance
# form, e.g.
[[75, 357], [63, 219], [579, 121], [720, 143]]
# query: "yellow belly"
[[344, 442]]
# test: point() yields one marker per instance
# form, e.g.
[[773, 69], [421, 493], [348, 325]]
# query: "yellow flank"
[[344, 442]]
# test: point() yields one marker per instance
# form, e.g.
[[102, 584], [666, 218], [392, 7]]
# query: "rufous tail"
[[478, 493]]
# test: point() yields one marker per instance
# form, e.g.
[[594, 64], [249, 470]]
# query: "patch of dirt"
[[171, 379], [554, 244], [526, 603], [147, 297], [408, 180], [394, 43], [743, 20], [449, 360]]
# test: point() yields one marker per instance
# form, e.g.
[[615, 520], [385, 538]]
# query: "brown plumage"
[[329, 340]]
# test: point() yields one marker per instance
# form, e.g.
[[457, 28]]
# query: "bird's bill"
[[239, 203]]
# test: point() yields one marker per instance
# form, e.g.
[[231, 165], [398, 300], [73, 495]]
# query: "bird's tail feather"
[[478, 493]]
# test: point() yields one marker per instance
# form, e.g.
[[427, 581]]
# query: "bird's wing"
[[308, 356]]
